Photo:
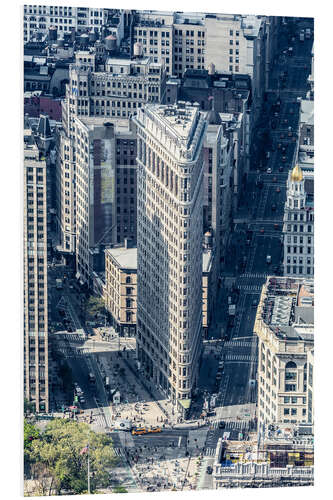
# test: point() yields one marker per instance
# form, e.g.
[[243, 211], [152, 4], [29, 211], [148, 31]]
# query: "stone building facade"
[[170, 180]]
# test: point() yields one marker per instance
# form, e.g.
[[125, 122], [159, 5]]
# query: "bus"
[[92, 378]]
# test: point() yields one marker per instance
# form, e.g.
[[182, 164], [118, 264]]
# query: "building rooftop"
[[178, 118], [206, 260], [125, 257], [307, 112], [127, 62], [287, 307]]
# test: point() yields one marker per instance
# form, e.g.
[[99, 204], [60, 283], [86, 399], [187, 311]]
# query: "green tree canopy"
[[95, 305], [59, 449], [30, 433]]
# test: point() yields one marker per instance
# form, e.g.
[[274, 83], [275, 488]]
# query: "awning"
[[185, 403]]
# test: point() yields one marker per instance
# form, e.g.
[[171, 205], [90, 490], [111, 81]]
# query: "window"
[[286, 399], [286, 411], [290, 388], [294, 411]]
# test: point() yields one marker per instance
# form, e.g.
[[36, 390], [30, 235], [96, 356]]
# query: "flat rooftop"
[[127, 258], [288, 307], [120, 125], [178, 118], [127, 62]]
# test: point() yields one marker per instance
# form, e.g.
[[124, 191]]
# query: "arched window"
[[291, 373], [128, 279]]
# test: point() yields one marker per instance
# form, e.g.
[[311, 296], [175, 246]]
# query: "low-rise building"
[[120, 289], [285, 328], [286, 461]]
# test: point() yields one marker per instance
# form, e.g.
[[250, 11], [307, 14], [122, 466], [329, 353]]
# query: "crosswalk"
[[209, 452], [250, 288], [236, 425], [254, 275], [241, 357], [73, 337], [70, 352], [238, 343]]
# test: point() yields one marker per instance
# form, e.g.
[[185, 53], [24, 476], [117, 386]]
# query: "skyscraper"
[[36, 379], [170, 231]]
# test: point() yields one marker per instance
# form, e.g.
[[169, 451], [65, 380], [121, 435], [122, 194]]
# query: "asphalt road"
[[261, 209]]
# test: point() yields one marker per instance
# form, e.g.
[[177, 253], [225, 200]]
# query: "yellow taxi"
[[139, 430], [155, 429]]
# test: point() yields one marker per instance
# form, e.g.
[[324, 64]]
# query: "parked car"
[[209, 469]]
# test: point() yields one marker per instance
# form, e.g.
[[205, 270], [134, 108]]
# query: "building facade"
[[39, 18], [285, 328], [298, 224], [120, 291], [36, 359], [170, 195], [95, 158]]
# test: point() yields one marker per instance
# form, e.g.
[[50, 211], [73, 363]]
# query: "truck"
[[58, 283]]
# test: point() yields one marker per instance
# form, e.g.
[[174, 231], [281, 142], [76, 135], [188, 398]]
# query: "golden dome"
[[296, 174]]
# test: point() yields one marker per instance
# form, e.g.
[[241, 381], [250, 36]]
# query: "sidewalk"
[[136, 402]]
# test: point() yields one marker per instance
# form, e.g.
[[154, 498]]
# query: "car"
[[269, 170], [262, 229], [209, 469], [139, 430], [155, 429], [274, 179], [276, 227], [284, 158], [221, 425], [278, 190], [281, 169], [273, 207]]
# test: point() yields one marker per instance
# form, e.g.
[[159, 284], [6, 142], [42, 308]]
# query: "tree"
[[29, 407], [30, 433], [94, 306], [61, 450]]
